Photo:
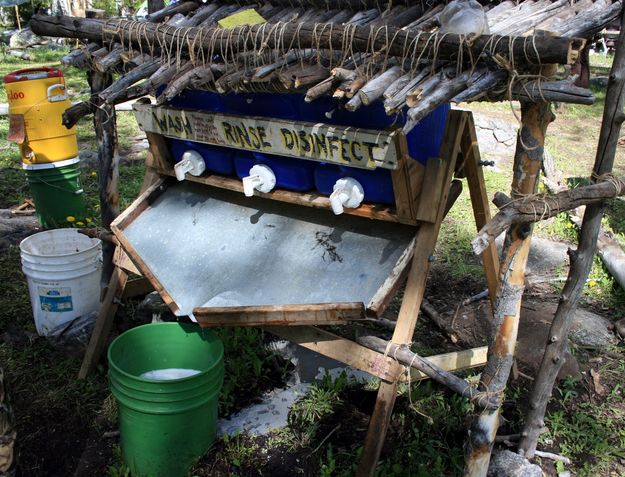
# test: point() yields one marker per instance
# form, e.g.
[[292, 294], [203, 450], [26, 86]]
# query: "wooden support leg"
[[104, 123], [413, 295], [527, 163], [103, 325], [479, 202]]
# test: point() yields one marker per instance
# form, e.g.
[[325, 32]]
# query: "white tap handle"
[[192, 162], [250, 184], [261, 178], [337, 199], [347, 193]]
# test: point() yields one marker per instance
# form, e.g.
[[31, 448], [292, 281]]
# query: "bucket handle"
[[56, 97], [76, 192]]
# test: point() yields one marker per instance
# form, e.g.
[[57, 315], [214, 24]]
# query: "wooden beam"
[[413, 295], [338, 348], [582, 258], [138, 287], [280, 315], [527, 164], [104, 123], [526, 50], [314, 200], [479, 202], [104, 323]]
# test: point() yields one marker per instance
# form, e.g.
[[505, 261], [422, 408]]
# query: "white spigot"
[[261, 178], [347, 193], [191, 162]]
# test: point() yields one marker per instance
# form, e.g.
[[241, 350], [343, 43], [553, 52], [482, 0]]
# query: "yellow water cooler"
[[37, 100]]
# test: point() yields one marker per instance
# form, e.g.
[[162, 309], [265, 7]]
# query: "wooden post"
[[413, 295], [104, 123], [155, 5], [479, 202], [108, 308], [527, 164], [581, 259], [17, 17], [8, 433]]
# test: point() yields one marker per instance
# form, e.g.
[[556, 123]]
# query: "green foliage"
[[249, 366], [118, 468], [429, 438], [318, 402], [238, 449]]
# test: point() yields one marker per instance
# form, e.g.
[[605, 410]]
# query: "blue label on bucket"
[[56, 300]]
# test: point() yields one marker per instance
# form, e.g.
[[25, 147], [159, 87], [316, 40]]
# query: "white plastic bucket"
[[63, 270]]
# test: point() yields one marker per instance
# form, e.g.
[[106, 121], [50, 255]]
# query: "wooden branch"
[[111, 60], [104, 123], [402, 353], [581, 260], [528, 155], [542, 207], [375, 87], [557, 91], [525, 50], [115, 90], [435, 317], [8, 432], [171, 10], [442, 93]]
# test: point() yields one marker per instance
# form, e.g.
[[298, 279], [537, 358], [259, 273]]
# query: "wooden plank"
[[159, 156], [387, 291], [150, 176], [344, 145], [431, 192], [479, 202], [338, 348], [138, 287], [122, 260], [404, 200], [413, 295], [455, 361], [316, 201], [104, 322], [280, 315]]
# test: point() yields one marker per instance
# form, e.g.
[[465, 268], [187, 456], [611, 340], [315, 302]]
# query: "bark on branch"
[[543, 207], [525, 50]]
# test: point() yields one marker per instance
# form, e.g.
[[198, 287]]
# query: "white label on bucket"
[[168, 374], [56, 300]]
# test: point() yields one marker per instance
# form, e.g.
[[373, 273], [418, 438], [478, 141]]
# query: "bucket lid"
[[50, 165], [28, 74]]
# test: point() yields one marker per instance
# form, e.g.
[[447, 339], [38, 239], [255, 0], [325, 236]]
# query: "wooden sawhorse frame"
[[437, 192]]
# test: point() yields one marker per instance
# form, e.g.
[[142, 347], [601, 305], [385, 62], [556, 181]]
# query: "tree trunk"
[[581, 260], [527, 163], [524, 50], [104, 123]]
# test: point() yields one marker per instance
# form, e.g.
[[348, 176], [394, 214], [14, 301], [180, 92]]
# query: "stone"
[[508, 464], [592, 331]]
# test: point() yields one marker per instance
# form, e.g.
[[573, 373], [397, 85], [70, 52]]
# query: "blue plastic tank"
[[197, 99], [281, 106], [217, 159], [377, 184]]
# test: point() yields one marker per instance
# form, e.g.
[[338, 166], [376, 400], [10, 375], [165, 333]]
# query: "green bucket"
[[165, 425], [56, 191]]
